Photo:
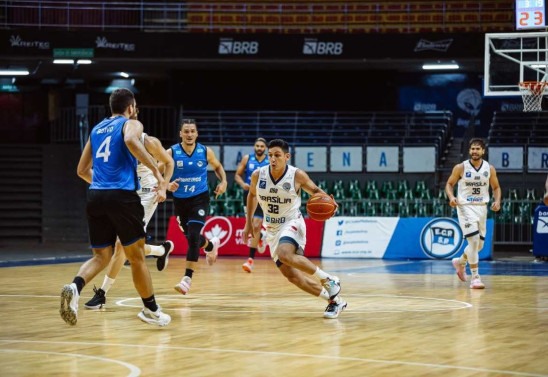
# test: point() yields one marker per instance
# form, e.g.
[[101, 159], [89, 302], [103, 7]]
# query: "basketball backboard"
[[514, 57]]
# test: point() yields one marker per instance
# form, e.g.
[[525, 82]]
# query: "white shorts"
[[148, 201], [472, 219], [294, 229]]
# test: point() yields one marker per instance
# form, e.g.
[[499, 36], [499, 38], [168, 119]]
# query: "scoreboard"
[[530, 14]]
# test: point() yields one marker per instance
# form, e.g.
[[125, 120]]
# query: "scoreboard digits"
[[530, 14]]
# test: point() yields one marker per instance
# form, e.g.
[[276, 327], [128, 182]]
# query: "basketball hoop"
[[532, 92]]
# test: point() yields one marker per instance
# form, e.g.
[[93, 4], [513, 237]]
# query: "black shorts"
[[113, 213], [194, 209], [258, 212]]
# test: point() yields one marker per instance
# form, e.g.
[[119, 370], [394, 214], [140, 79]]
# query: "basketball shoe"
[[476, 283], [334, 309], [162, 260], [248, 266], [211, 256], [98, 301], [461, 269], [69, 304], [154, 318], [184, 285], [333, 286]]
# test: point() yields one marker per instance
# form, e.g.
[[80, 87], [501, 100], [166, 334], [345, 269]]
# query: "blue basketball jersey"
[[190, 171], [252, 165], [114, 167]]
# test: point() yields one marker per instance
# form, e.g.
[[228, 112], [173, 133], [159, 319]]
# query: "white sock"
[[474, 272], [322, 275], [324, 294], [156, 250], [107, 283]]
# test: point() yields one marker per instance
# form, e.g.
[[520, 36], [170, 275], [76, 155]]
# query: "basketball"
[[320, 207]]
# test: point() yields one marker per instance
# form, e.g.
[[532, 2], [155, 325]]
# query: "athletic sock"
[[156, 250], [189, 272], [107, 283], [150, 303], [80, 282], [322, 275], [252, 251]]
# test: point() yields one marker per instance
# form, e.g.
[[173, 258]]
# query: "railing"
[[510, 229], [412, 16]]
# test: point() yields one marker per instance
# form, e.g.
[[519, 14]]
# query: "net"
[[531, 93]]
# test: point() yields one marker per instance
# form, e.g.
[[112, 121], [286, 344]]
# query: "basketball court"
[[403, 318]]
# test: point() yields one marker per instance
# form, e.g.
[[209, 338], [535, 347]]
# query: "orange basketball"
[[320, 207]]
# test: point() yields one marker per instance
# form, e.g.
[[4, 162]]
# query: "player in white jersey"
[[474, 177], [277, 189], [149, 199]]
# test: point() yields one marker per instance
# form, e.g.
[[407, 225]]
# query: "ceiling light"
[[83, 61], [14, 72], [431, 66], [63, 61], [538, 65], [125, 75]]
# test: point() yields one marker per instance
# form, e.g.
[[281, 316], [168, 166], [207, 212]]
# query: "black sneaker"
[[98, 301], [162, 260], [333, 309]]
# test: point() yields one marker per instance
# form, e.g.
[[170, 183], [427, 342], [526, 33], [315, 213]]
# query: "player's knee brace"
[[472, 249]]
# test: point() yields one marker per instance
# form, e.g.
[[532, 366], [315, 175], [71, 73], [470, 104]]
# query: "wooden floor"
[[238, 324]]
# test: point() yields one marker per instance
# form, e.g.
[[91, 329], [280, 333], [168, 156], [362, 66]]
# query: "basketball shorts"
[[113, 213], [148, 200], [472, 219], [194, 209], [293, 231]]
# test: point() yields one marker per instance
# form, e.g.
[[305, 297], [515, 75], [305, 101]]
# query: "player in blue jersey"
[[191, 196], [247, 166], [109, 163]]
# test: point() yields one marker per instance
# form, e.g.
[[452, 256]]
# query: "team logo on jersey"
[[286, 186], [468, 174], [485, 173], [218, 226], [179, 164], [262, 184], [441, 238], [200, 164]]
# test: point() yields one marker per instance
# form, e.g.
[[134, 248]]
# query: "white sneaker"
[[211, 256], [157, 318], [261, 246], [69, 304], [184, 286], [334, 309], [333, 286], [460, 268], [248, 266], [476, 283]]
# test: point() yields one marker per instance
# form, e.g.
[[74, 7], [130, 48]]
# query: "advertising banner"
[[398, 238], [540, 231], [230, 229], [506, 158]]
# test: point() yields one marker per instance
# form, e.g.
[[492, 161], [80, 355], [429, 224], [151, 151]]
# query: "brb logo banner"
[[229, 46], [313, 46]]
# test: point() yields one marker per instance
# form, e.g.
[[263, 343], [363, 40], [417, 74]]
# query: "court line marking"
[[462, 304], [134, 371], [286, 354]]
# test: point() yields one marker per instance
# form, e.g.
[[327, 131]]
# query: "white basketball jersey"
[[279, 200], [146, 178], [473, 186]]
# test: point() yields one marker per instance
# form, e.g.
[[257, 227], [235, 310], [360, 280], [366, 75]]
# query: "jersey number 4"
[[104, 150]]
